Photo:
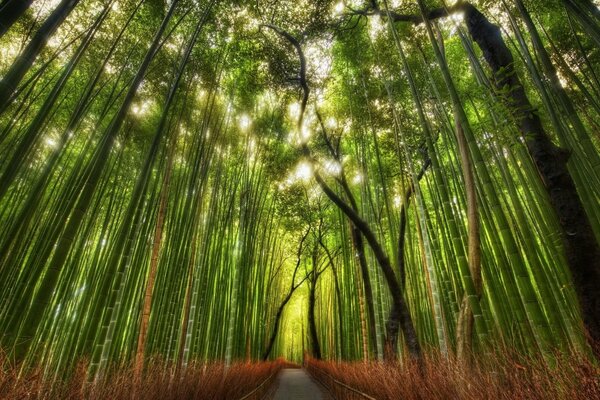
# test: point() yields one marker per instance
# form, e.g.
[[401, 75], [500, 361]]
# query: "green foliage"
[[225, 189]]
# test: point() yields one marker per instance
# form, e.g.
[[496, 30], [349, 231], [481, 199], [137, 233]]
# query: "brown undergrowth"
[[499, 376], [199, 381]]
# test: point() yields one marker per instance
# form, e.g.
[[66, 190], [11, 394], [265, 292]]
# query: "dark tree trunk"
[[10, 11], [359, 247], [400, 317], [312, 324], [399, 308], [581, 247], [17, 71]]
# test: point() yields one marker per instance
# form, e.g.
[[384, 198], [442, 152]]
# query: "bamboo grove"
[[242, 180]]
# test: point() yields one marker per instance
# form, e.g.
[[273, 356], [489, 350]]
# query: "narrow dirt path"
[[296, 384]]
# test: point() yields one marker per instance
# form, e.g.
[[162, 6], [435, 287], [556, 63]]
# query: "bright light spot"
[[9, 51], [54, 42], [562, 80], [244, 122], [358, 178], [305, 134], [45, 7], [318, 56], [452, 22], [339, 8], [304, 171], [332, 167], [141, 108], [80, 290], [376, 26], [331, 123], [377, 71], [294, 110], [51, 142], [109, 68], [397, 201]]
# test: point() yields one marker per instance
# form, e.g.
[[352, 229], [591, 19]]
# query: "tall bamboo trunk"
[[312, 323], [363, 323], [35, 129], [273, 336], [464, 331], [156, 245], [581, 248], [17, 71], [340, 312], [359, 247]]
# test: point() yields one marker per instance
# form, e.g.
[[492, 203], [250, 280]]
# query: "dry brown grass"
[[504, 376], [199, 381]]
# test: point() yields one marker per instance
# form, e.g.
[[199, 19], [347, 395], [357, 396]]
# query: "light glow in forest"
[[400, 197]]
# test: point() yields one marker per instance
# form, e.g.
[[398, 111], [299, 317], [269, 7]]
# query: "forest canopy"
[[243, 180]]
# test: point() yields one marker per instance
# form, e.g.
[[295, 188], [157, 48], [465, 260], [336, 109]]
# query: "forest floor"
[[498, 376], [296, 384]]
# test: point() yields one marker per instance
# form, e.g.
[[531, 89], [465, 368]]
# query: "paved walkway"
[[296, 384]]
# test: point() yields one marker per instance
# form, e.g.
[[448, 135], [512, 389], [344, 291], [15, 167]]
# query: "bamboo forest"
[[299, 199]]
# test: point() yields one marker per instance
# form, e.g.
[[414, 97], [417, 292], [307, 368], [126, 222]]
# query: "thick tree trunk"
[[10, 12], [17, 71], [312, 323], [359, 247], [399, 316], [581, 247]]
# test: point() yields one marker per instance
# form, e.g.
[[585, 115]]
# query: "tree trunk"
[[273, 336], [30, 138], [464, 340], [312, 323], [359, 247], [399, 315], [17, 71], [581, 247], [146, 308], [11, 11]]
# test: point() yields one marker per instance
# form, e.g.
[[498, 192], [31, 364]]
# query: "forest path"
[[296, 384]]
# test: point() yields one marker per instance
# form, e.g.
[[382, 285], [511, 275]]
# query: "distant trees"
[[200, 180]]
